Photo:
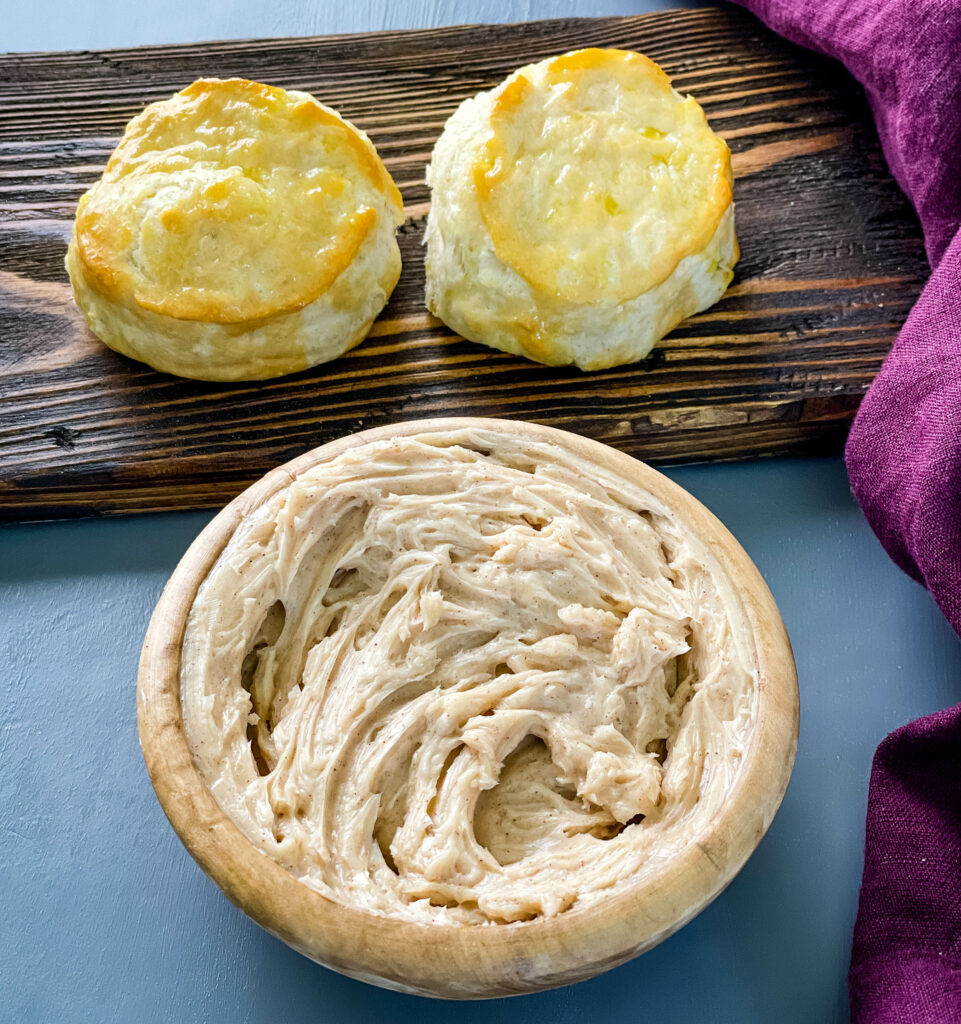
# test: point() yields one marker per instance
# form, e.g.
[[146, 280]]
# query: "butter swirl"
[[459, 677]]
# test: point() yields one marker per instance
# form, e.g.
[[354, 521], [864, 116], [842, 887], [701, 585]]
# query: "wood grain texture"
[[831, 262]]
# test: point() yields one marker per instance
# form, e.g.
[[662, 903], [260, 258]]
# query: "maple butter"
[[465, 677]]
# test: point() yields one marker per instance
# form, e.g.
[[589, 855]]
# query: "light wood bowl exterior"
[[470, 961]]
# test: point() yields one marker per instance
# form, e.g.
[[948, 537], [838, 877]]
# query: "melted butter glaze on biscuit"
[[597, 178]]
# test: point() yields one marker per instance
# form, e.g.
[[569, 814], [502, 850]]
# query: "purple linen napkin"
[[904, 461]]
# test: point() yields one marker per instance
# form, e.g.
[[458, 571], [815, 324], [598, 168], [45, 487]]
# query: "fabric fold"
[[904, 462]]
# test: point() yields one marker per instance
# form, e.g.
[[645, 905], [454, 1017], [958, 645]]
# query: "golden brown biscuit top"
[[597, 178], [231, 201]]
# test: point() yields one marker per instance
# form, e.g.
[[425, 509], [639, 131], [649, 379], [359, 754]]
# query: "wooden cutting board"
[[831, 262]]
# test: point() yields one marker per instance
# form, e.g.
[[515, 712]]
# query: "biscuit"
[[239, 231], [579, 212]]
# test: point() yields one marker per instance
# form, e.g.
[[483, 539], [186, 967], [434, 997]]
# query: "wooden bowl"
[[455, 960]]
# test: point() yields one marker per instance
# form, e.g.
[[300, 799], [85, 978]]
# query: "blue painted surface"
[[106, 918]]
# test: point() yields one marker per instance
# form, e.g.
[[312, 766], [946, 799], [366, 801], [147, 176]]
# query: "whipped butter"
[[460, 677]]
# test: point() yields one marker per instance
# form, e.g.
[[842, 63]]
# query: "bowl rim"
[[458, 960]]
